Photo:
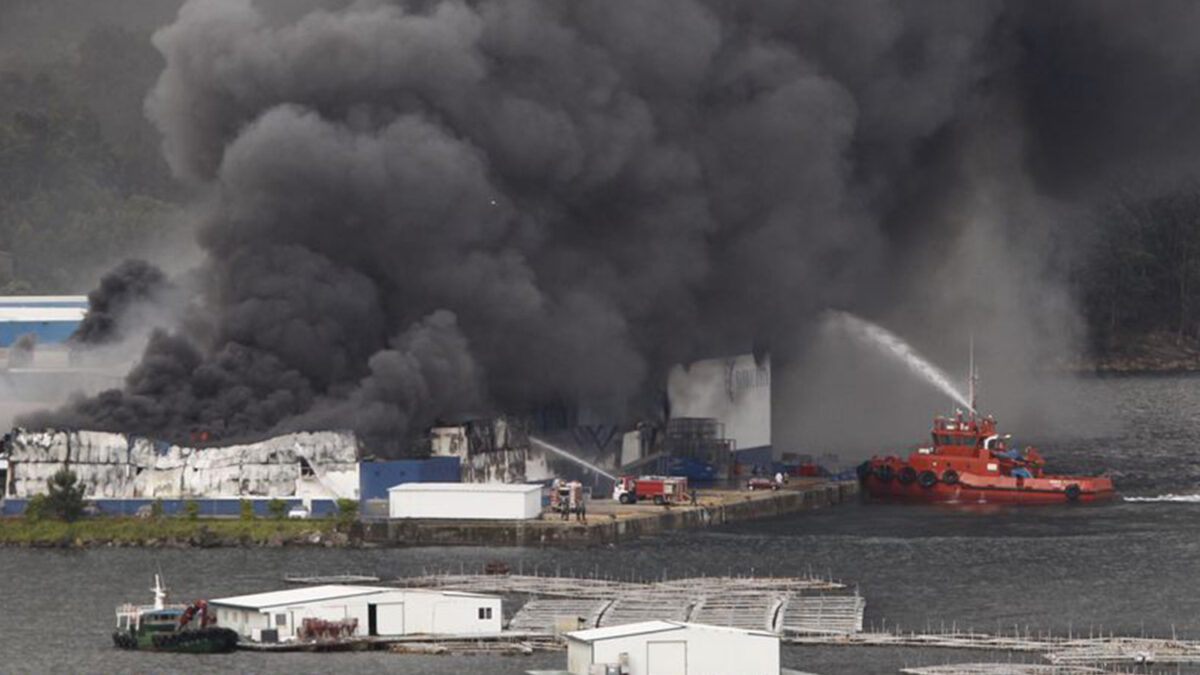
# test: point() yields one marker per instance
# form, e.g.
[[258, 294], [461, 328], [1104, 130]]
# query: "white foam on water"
[[559, 451], [1169, 497], [891, 345]]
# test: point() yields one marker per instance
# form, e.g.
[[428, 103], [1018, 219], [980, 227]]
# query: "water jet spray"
[[585, 464], [893, 346]]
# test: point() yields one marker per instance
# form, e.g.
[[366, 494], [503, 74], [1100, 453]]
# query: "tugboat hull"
[[971, 489]]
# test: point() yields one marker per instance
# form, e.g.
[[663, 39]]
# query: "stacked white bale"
[[114, 465]]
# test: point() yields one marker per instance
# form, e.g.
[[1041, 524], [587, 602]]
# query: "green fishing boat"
[[171, 628]]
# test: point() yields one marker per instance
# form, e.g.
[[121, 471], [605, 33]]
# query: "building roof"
[[310, 594], [647, 627], [43, 301], [522, 488], [23, 313], [298, 596], [625, 630]]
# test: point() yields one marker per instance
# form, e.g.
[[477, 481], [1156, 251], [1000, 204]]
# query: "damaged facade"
[[491, 450], [320, 465]]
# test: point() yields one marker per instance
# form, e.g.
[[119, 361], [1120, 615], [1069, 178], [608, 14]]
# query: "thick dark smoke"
[[422, 208], [131, 284]]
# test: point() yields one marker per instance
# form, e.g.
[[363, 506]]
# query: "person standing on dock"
[[692, 496]]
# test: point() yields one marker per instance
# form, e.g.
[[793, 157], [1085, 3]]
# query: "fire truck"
[[566, 497], [659, 489]]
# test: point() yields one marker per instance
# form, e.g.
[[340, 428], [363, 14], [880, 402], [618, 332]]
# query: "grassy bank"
[[170, 532]]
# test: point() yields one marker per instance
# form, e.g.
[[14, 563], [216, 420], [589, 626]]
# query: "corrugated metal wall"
[[374, 478]]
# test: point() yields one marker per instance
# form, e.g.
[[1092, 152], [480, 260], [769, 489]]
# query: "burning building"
[[321, 466]]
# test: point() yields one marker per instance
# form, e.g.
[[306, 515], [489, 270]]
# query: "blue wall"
[[374, 478], [46, 331]]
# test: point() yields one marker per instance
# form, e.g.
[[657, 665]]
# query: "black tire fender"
[[927, 479], [906, 474], [949, 476], [863, 470], [1073, 492], [884, 473]]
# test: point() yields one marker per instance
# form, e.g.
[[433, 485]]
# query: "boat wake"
[[1169, 497]]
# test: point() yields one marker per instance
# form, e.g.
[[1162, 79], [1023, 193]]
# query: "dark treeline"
[[82, 180], [1141, 276]]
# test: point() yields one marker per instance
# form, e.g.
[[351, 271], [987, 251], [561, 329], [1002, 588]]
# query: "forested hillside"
[[82, 181], [1139, 282]]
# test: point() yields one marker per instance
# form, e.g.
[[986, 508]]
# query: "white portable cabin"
[[673, 648], [469, 501], [380, 611]]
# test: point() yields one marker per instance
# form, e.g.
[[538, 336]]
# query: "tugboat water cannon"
[[969, 461]]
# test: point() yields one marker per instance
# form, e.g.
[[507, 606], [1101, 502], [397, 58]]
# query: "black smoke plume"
[[130, 284], [419, 208]]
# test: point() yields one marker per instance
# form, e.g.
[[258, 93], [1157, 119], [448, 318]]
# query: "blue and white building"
[[50, 318]]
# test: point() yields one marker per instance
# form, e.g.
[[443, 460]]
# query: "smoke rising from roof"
[[422, 208]]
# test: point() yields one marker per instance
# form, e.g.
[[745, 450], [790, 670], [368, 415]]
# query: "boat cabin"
[[974, 437], [149, 618]]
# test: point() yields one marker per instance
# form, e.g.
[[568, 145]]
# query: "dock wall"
[[603, 529]]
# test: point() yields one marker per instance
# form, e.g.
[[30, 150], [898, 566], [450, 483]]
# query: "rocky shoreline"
[[142, 533], [1155, 354]]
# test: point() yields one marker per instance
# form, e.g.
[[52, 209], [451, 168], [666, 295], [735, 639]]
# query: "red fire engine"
[[659, 489]]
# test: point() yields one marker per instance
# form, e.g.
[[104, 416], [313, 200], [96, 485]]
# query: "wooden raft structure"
[[1001, 669], [784, 605], [1068, 654]]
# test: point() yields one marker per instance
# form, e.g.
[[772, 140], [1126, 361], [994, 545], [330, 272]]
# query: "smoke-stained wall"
[[418, 208]]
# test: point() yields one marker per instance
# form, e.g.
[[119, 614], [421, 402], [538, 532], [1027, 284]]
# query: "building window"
[[485, 613], [281, 619]]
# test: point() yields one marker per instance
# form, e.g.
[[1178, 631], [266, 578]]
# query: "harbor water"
[[1125, 567]]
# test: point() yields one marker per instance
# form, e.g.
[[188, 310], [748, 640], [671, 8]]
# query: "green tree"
[[347, 511], [277, 508], [64, 496], [245, 509], [191, 510], [35, 509]]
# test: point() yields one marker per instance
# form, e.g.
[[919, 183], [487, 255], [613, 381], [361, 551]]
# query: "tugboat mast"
[[972, 375]]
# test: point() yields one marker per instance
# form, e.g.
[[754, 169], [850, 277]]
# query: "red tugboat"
[[969, 462]]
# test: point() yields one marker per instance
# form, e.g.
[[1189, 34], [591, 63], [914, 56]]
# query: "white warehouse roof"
[[646, 627], [297, 596], [43, 301], [521, 488], [309, 594], [19, 313]]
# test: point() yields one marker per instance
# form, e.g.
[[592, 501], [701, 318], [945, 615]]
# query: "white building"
[[380, 611], [483, 501], [673, 648]]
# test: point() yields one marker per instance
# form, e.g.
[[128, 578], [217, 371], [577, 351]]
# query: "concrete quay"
[[609, 522]]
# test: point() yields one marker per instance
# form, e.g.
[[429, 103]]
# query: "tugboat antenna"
[[971, 376]]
